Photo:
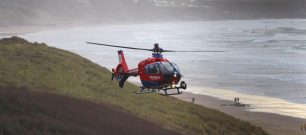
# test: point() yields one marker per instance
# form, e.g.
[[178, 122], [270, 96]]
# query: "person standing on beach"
[[193, 99], [302, 127], [305, 127]]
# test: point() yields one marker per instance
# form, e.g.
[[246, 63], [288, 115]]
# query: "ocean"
[[264, 63]]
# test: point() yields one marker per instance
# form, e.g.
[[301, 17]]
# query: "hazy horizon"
[[50, 13]]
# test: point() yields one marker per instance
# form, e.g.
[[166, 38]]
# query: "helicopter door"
[[152, 69], [152, 76]]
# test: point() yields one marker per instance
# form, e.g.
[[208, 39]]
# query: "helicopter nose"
[[172, 78], [176, 77]]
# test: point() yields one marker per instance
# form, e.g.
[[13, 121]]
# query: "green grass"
[[41, 68], [26, 112]]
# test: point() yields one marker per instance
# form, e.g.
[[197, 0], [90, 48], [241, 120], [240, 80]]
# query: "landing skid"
[[170, 88], [171, 94], [157, 90], [145, 92]]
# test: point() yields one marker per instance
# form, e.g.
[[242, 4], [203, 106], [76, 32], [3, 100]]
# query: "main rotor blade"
[[190, 51], [134, 48], [119, 46]]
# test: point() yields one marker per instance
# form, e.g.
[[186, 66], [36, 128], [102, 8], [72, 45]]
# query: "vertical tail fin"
[[121, 72], [122, 61]]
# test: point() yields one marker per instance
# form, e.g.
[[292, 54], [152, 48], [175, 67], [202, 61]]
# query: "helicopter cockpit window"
[[169, 67], [176, 68], [152, 69]]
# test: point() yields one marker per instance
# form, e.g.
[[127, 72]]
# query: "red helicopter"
[[156, 73]]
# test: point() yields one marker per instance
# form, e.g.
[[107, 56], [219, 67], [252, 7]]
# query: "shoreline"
[[8, 31], [274, 124], [22, 30]]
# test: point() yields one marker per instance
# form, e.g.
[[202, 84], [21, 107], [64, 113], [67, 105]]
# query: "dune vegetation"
[[37, 67]]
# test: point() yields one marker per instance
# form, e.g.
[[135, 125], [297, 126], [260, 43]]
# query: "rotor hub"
[[157, 49]]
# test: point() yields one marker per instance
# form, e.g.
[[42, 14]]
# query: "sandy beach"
[[20, 30], [273, 123]]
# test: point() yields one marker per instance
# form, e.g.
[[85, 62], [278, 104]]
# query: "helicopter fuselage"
[[157, 72]]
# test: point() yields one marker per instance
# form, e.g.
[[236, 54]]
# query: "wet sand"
[[273, 123]]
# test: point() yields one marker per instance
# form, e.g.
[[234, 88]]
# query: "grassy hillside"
[[41, 68], [24, 112]]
